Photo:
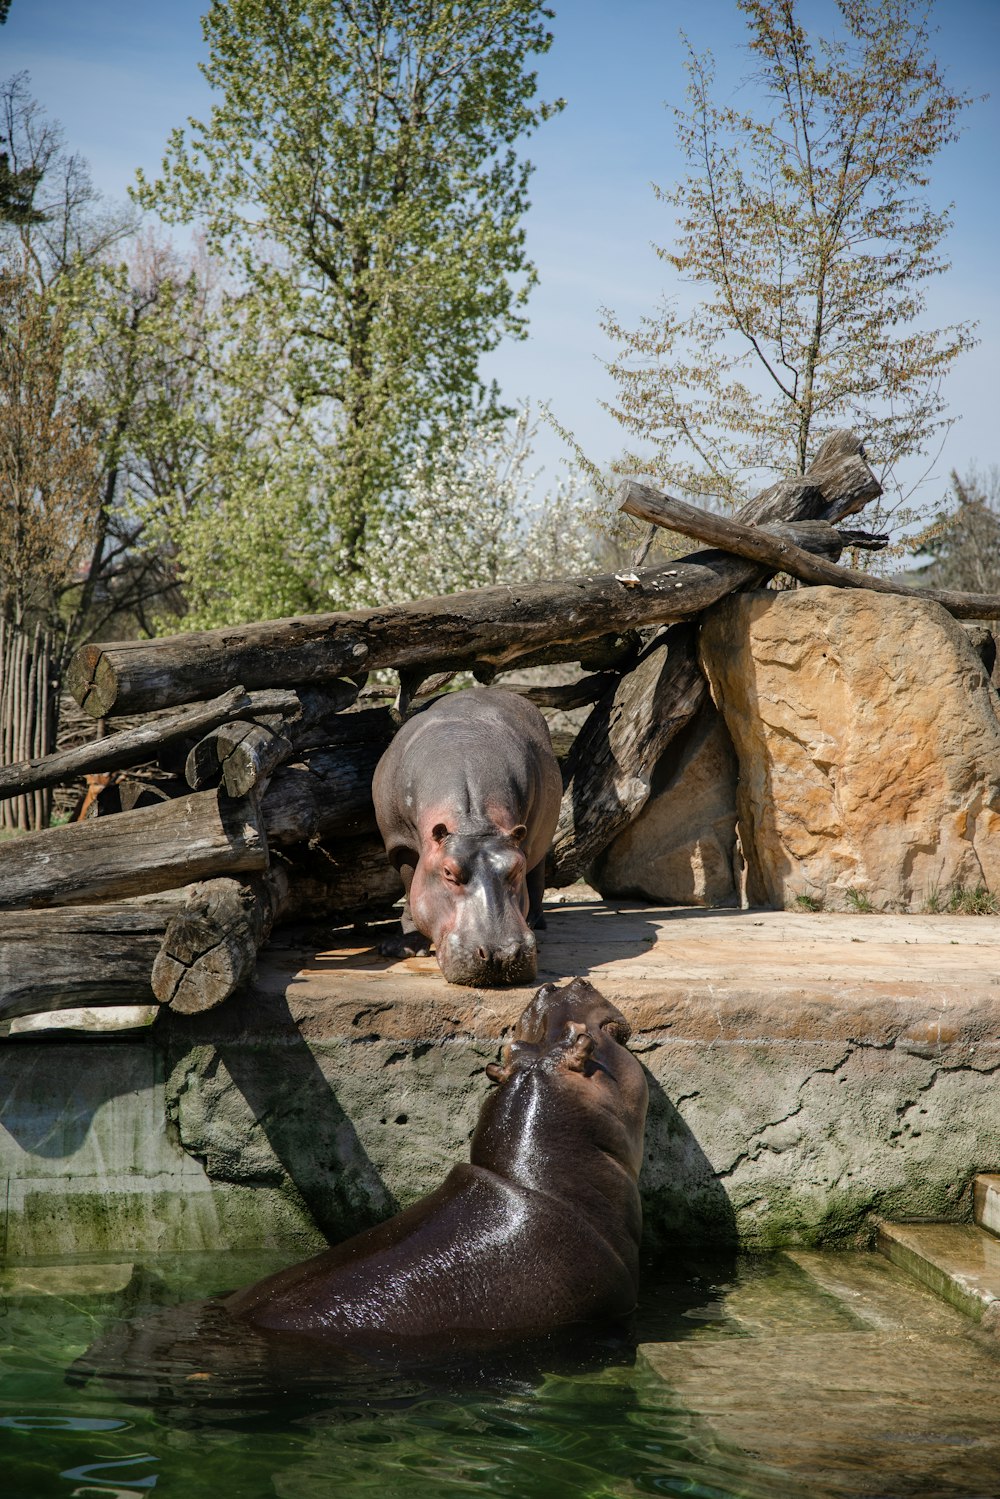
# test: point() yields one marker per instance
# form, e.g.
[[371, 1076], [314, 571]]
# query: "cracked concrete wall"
[[772, 1121]]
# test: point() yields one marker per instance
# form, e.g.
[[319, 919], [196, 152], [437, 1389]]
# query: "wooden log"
[[209, 949], [486, 629], [243, 755], [80, 955], [609, 772], [326, 795], [132, 746], [135, 853], [785, 555], [339, 883]]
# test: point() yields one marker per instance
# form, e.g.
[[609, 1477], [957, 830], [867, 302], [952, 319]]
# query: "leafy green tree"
[[359, 171], [805, 224], [964, 542]]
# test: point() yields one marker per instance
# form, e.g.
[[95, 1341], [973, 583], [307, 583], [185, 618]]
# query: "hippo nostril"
[[482, 954]]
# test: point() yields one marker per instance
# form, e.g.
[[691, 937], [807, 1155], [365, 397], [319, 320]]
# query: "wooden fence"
[[27, 718]]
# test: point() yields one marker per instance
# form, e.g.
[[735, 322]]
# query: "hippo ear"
[[439, 832], [519, 833], [497, 1073], [618, 1029]]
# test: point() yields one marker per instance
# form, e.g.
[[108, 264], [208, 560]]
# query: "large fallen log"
[[485, 630], [133, 746], [243, 753], [210, 947], [608, 770], [347, 881], [779, 554], [609, 774], [327, 795], [80, 955], [133, 853]]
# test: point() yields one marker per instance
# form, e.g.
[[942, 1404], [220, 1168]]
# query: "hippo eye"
[[617, 1028]]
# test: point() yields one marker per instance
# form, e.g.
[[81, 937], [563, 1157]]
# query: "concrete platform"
[[808, 1074]]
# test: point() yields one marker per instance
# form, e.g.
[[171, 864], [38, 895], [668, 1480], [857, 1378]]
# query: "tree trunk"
[[327, 795], [349, 881], [487, 629], [209, 949], [608, 770], [80, 955], [134, 853]]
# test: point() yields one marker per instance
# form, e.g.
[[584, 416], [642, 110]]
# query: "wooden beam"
[[133, 853], [780, 554]]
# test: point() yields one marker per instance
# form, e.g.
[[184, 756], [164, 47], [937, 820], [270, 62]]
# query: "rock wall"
[[868, 740], [681, 848]]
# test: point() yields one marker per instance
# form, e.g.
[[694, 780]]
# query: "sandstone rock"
[[868, 740], [680, 848]]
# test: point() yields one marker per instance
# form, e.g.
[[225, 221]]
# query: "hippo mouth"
[[567, 1028], [480, 968]]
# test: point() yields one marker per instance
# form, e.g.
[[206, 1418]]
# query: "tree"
[[468, 520], [964, 542], [359, 170], [48, 491], [806, 227]]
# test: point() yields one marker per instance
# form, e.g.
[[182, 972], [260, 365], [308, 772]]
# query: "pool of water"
[[177, 1410]]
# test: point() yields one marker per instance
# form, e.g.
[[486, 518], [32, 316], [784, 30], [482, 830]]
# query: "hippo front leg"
[[535, 882], [408, 942]]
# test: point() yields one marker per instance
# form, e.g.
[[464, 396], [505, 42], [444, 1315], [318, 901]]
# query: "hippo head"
[[566, 1077], [469, 896]]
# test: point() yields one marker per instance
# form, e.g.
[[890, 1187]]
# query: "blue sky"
[[120, 75]]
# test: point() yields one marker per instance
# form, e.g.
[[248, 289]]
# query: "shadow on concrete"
[[684, 1202], [287, 1097], [50, 1090]]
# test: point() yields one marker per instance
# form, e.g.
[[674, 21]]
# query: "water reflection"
[[769, 1386]]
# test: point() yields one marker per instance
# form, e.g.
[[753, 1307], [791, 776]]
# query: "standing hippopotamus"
[[467, 798], [539, 1232]]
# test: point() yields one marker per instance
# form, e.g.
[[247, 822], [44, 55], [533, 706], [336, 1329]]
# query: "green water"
[[181, 1413], [591, 1421]]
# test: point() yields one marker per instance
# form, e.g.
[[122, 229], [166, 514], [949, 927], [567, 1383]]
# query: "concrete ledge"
[[807, 1072]]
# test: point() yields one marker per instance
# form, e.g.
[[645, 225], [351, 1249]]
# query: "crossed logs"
[[248, 801]]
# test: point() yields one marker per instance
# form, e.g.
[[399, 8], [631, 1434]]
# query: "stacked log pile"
[[242, 795]]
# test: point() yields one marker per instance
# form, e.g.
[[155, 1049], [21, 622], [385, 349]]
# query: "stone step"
[[831, 1375], [986, 1201], [958, 1261], [833, 1413]]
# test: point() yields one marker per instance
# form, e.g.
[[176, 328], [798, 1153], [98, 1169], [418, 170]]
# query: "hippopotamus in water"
[[467, 799], [540, 1231]]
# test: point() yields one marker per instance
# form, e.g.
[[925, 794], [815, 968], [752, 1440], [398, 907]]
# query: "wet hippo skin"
[[467, 799], [539, 1231]]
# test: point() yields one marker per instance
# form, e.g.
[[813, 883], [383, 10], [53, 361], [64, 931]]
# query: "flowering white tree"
[[467, 519]]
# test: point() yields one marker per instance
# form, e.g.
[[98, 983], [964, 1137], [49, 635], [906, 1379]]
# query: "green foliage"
[[963, 543], [858, 902], [359, 173], [466, 520], [806, 227]]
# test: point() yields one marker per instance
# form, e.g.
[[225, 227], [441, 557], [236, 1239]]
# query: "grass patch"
[[962, 900], [807, 903], [976, 900], [858, 902]]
